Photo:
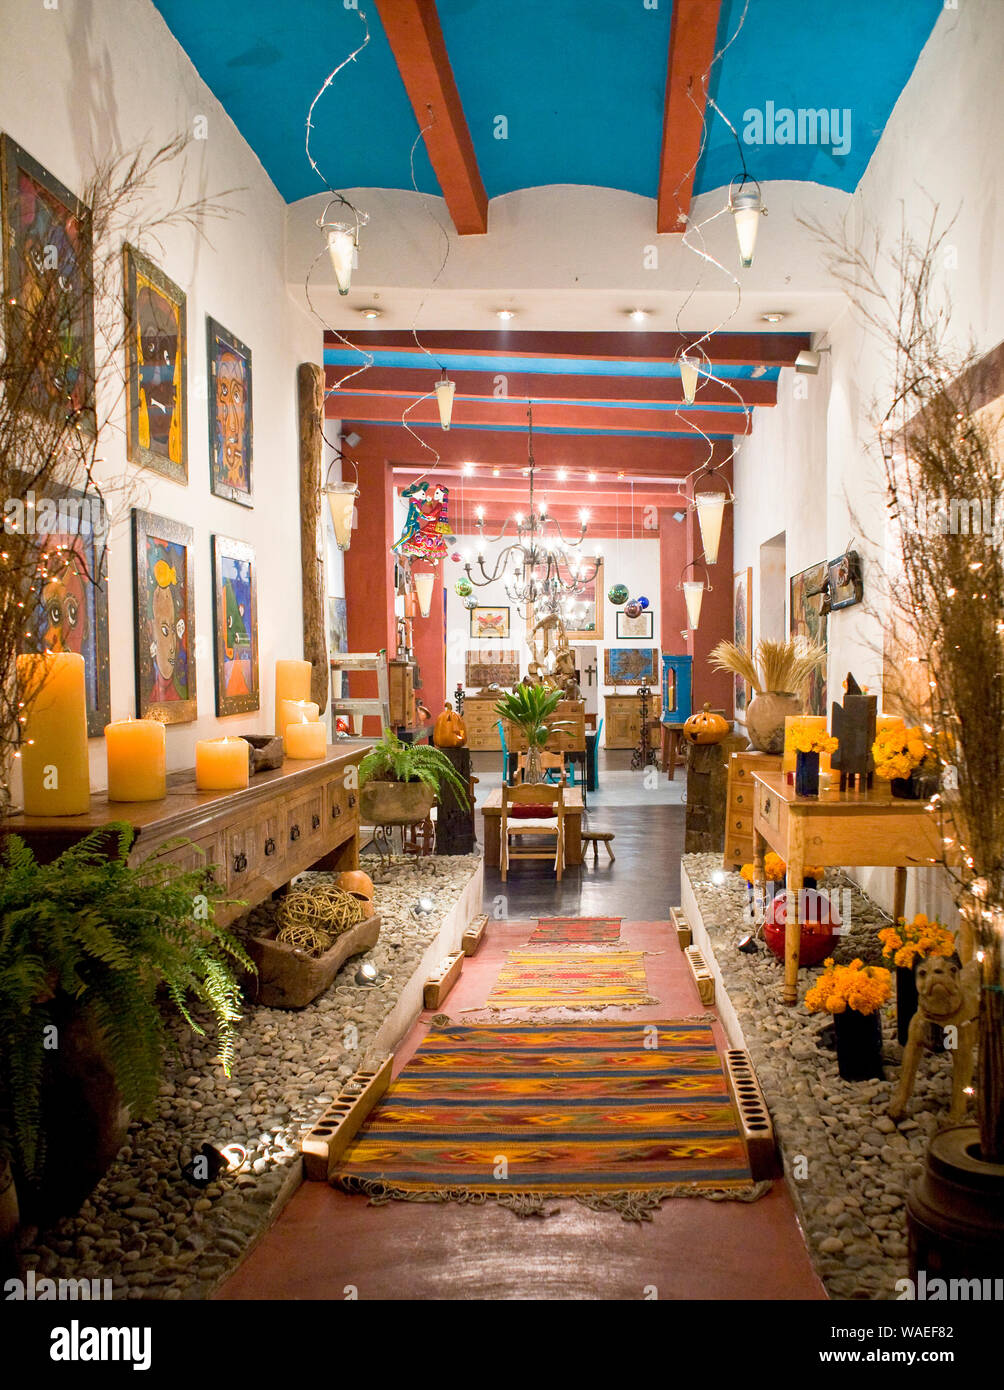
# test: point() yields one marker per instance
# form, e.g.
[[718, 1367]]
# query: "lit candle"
[[292, 682], [296, 712], [888, 721], [54, 751], [306, 740], [815, 722], [222, 764], [137, 760]]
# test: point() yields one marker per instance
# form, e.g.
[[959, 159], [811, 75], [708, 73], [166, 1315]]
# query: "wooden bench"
[[595, 838]]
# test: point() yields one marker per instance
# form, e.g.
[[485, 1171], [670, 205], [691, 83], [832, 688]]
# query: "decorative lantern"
[[747, 208], [445, 391], [688, 376], [425, 582], [341, 502], [710, 512]]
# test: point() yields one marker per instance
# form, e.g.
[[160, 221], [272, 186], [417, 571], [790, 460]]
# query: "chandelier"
[[538, 566]]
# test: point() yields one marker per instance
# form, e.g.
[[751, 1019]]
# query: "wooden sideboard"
[[297, 817], [739, 808], [481, 722], [622, 719]]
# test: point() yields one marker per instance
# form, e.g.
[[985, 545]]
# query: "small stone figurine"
[[853, 725]]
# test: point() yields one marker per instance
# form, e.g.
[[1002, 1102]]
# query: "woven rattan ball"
[[322, 910], [305, 938]]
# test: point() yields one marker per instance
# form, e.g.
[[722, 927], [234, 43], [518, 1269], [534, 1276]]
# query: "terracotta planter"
[[289, 979], [395, 803], [955, 1211], [765, 716]]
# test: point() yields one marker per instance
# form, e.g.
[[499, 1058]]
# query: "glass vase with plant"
[[530, 708]]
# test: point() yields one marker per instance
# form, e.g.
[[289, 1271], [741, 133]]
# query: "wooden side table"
[[672, 741], [857, 829]]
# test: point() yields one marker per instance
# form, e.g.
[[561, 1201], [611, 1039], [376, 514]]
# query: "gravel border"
[[847, 1164], [149, 1230]]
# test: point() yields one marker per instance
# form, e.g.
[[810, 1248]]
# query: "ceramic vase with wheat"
[[765, 716]]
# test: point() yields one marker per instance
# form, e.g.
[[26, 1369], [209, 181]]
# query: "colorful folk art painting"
[[235, 601], [742, 633], [48, 279], [631, 665], [165, 616], [427, 524], [807, 622], [230, 416], [489, 622], [156, 369]]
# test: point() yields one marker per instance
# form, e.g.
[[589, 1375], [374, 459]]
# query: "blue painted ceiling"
[[581, 84]]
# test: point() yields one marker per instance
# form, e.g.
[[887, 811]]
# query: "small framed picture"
[[156, 369], [164, 594], [235, 626], [489, 622], [230, 417], [643, 626]]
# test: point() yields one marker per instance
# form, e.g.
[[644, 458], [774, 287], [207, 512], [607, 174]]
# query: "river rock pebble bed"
[[848, 1165], [149, 1230]]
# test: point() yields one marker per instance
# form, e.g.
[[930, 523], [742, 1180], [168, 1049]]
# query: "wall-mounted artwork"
[[46, 260], [69, 601], [156, 369], [489, 622], [846, 586], [584, 620], [805, 620], [235, 626], [164, 594], [631, 666], [491, 666], [338, 625], [230, 415], [641, 628], [742, 633]]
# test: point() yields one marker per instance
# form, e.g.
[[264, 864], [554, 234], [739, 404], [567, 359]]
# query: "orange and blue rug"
[[575, 931], [619, 1116], [571, 979]]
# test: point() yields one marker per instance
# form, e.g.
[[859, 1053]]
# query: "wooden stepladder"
[[362, 661]]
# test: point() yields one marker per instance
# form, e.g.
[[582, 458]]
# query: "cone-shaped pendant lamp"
[[693, 597], [688, 375], [425, 582], [747, 209], [341, 503], [445, 391], [710, 512], [342, 250]]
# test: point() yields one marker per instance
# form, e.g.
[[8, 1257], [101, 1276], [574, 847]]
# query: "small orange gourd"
[[449, 731], [705, 727]]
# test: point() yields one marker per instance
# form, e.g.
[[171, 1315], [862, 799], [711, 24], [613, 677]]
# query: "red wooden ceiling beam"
[[416, 39], [729, 349], [568, 415], [417, 381], [691, 49]]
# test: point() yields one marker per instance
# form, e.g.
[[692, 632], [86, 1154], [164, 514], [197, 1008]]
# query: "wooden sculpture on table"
[[948, 994], [853, 725]]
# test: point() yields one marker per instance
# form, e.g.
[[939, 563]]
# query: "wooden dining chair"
[[536, 809]]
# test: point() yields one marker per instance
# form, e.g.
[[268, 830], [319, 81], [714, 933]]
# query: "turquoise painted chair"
[[505, 754]]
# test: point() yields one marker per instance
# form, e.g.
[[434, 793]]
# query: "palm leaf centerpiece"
[[530, 708]]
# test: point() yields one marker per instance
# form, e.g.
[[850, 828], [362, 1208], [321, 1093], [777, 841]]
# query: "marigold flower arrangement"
[[912, 941], [897, 752], [802, 737], [863, 988], [774, 869]]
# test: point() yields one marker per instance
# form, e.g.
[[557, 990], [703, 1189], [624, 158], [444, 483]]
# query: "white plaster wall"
[[90, 79], [809, 466]]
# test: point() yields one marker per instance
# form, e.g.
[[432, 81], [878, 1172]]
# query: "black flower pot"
[[906, 1000], [806, 774], [859, 1045]]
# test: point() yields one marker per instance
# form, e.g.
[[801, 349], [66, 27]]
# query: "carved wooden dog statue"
[[949, 995]]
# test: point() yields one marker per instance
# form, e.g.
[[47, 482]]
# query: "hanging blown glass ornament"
[[633, 609], [617, 594], [463, 588], [642, 601]]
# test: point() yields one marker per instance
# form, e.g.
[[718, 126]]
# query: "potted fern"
[[95, 955], [401, 782], [530, 708], [778, 673]]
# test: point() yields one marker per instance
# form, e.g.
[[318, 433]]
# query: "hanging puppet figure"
[[426, 526]]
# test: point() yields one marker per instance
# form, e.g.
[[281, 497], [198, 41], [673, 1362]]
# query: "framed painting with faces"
[[156, 369], [164, 595], [231, 435]]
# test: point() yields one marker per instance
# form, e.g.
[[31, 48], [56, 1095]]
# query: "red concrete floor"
[[329, 1245]]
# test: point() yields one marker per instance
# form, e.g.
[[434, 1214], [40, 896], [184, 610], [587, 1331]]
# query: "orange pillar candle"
[[137, 760], [306, 740], [815, 722], [292, 682], [54, 752], [222, 764], [295, 712]]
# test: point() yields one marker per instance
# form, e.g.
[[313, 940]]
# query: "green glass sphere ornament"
[[463, 588], [618, 593]]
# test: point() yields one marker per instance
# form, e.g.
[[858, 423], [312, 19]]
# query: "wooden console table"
[[492, 812], [857, 829], [297, 817]]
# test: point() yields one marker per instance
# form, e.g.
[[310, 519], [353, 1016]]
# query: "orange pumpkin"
[[359, 884], [449, 731], [705, 727]]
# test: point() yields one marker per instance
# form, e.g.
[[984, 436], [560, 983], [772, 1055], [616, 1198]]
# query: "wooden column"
[[310, 383]]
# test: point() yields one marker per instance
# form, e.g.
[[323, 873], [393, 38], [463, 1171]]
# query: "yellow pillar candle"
[[222, 764], [306, 740], [888, 721], [292, 682], [815, 722], [295, 712], [137, 760], [52, 691]]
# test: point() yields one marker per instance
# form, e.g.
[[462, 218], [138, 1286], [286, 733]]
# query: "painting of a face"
[[163, 572], [158, 336], [168, 637], [230, 415]]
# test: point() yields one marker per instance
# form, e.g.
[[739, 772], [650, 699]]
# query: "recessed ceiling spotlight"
[[638, 315], [467, 469], [505, 314], [592, 477], [495, 472], [562, 474], [370, 312], [774, 316]]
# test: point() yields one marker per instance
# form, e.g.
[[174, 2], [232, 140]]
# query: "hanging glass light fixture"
[[693, 594], [688, 375], [425, 582], [341, 503], [710, 514], [538, 566], [445, 391], [342, 239], [747, 208]]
